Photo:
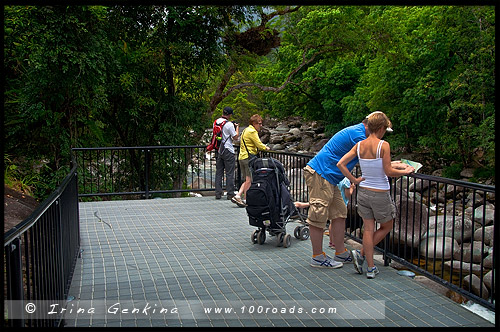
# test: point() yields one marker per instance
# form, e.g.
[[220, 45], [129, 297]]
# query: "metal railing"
[[442, 231], [436, 219], [40, 256], [144, 172]]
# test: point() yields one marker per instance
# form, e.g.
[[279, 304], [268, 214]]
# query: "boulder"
[[484, 214], [277, 147], [282, 128], [488, 280], [306, 143], [419, 185], [473, 284], [452, 227], [474, 199], [488, 235], [467, 172], [318, 145], [470, 252], [276, 139], [462, 267], [488, 261], [408, 222], [438, 247]]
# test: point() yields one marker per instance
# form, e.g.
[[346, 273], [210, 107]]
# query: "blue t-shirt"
[[325, 162]]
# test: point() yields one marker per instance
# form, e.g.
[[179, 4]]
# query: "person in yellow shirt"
[[250, 143]]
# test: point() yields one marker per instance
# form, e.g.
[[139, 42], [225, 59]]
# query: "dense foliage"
[[431, 69], [87, 76]]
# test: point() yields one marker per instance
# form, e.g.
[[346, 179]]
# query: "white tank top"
[[373, 171]]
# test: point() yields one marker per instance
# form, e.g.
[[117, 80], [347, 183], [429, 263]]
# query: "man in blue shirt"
[[325, 200]]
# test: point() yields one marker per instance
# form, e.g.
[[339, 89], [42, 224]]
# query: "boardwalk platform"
[[191, 262]]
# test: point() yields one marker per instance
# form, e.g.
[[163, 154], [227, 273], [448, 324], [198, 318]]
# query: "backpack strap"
[[248, 152], [223, 142]]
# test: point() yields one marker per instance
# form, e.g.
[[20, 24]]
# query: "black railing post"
[[16, 281], [387, 260], [146, 172]]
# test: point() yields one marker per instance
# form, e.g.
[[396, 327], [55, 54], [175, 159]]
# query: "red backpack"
[[215, 142]]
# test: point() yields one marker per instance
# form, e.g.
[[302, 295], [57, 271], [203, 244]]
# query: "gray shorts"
[[376, 205]]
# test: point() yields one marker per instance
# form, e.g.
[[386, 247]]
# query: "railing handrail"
[[24, 225], [150, 147], [463, 183]]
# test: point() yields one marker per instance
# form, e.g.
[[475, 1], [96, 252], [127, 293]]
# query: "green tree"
[[433, 74], [54, 77]]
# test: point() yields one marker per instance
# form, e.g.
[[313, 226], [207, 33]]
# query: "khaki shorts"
[[325, 200], [376, 205], [245, 169]]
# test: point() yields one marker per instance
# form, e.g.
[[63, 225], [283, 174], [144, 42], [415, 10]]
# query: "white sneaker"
[[370, 273], [357, 260], [324, 261]]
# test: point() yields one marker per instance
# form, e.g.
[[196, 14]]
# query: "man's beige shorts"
[[325, 200]]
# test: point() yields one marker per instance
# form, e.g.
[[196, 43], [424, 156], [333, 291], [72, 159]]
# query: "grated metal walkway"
[[191, 262]]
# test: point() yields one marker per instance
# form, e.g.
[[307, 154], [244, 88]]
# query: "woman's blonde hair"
[[377, 120]]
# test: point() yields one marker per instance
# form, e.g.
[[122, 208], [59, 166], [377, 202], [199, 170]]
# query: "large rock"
[[462, 267], [452, 227], [488, 280], [276, 139], [306, 143], [488, 235], [282, 128], [408, 222], [318, 145], [475, 199], [419, 185], [438, 247], [486, 213], [488, 261], [470, 252], [473, 284], [467, 172]]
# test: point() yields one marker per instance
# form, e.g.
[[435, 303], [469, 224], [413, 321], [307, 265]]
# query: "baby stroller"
[[269, 203]]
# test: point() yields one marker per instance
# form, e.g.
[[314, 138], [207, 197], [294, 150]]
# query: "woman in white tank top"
[[374, 201]]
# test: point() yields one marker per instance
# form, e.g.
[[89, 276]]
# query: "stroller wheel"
[[254, 236], [296, 232], [280, 240], [304, 233], [287, 240], [261, 236]]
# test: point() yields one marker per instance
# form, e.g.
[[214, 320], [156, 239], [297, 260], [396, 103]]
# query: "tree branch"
[[288, 80], [268, 17]]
